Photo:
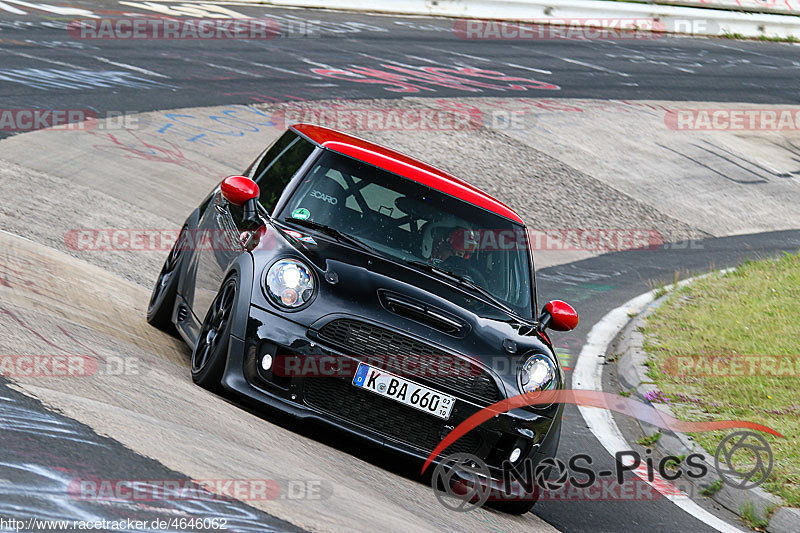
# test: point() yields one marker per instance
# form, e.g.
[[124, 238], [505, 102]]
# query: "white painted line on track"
[[468, 56], [422, 59], [588, 375], [286, 71], [478, 58], [11, 9], [58, 10], [130, 67], [595, 67], [271, 67], [539, 70], [231, 69], [315, 63], [37, 58]]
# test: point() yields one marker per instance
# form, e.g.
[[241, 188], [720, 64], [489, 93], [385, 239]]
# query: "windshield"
[[412, 222]]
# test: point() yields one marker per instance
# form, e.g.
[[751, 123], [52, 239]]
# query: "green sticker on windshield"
[[301, 212]]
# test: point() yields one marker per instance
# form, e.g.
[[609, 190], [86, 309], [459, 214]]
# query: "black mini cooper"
[[343, 282]]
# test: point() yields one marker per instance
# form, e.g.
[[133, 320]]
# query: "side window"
[[278, 166], [274, 151]]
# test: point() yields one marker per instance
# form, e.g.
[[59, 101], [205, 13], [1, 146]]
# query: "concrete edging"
[[675, 19], [632, 375], [752, 6]]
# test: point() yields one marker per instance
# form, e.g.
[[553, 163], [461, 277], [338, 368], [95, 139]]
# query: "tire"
[[165, 291], [211, 349]]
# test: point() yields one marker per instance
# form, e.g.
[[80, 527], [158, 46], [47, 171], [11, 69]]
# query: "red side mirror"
[[559, 316], [239, 189]]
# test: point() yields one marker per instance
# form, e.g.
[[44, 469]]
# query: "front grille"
[[363, 339], [387, 417]]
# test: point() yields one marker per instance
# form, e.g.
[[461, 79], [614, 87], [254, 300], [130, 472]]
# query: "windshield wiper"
[[333, 232], [464, 281]]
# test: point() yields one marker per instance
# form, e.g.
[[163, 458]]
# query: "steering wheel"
[[460, 266]]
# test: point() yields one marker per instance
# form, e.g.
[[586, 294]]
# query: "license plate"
[[404, 391]]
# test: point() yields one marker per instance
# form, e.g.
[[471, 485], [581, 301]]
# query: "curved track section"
[[565, 164]]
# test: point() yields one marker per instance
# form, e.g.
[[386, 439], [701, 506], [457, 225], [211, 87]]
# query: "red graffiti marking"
[[22, 323], [11, 277], [138, 148]]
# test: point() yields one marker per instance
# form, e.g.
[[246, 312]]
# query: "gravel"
[[546, 192]]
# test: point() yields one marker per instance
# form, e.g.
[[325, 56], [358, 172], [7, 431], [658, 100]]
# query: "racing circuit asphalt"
[[171, 75], [175, 74]]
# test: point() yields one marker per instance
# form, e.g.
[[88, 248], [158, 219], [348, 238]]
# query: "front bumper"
[[335, 402]]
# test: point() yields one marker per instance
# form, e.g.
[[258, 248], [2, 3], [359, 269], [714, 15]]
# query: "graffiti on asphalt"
[[142, 146], [52, 78], [37, 477], [414, 79], [217, 127]]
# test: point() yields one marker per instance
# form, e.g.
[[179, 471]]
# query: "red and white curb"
[[587, 375]]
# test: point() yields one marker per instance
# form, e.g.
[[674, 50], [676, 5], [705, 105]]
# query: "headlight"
[[537, 373], [289, 283]]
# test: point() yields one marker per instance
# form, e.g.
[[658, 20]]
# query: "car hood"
[[360, 285]]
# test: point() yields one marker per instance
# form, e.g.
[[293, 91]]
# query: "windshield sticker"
[[301, 212]]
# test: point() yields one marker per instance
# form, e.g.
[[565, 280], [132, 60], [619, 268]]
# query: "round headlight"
[[289, 283], [537, 373]]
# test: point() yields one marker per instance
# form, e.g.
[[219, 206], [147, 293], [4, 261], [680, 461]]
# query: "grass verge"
[[728, 347], [767, 38]]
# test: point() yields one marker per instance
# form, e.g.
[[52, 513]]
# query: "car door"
[[218, 243], [222, 232]]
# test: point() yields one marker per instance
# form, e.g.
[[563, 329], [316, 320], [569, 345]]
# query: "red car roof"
[[405, 166]]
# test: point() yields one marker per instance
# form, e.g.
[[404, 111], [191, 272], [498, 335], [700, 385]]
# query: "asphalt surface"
[[596, 286], [349, 55], [358, 56], [54, 468]]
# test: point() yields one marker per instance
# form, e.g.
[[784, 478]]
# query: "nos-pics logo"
[[463, 481]]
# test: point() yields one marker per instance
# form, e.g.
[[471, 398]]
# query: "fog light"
[[266, 362], [515, 453]]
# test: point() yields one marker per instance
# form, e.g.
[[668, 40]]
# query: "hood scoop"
[[422, 312]]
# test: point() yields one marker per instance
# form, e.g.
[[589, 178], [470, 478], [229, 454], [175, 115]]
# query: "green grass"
[[730, 35], [649, 440], [777, 39], [752, 311], [673, 464], [768, 38], [751, 517], [661, 291], [712, 489]]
